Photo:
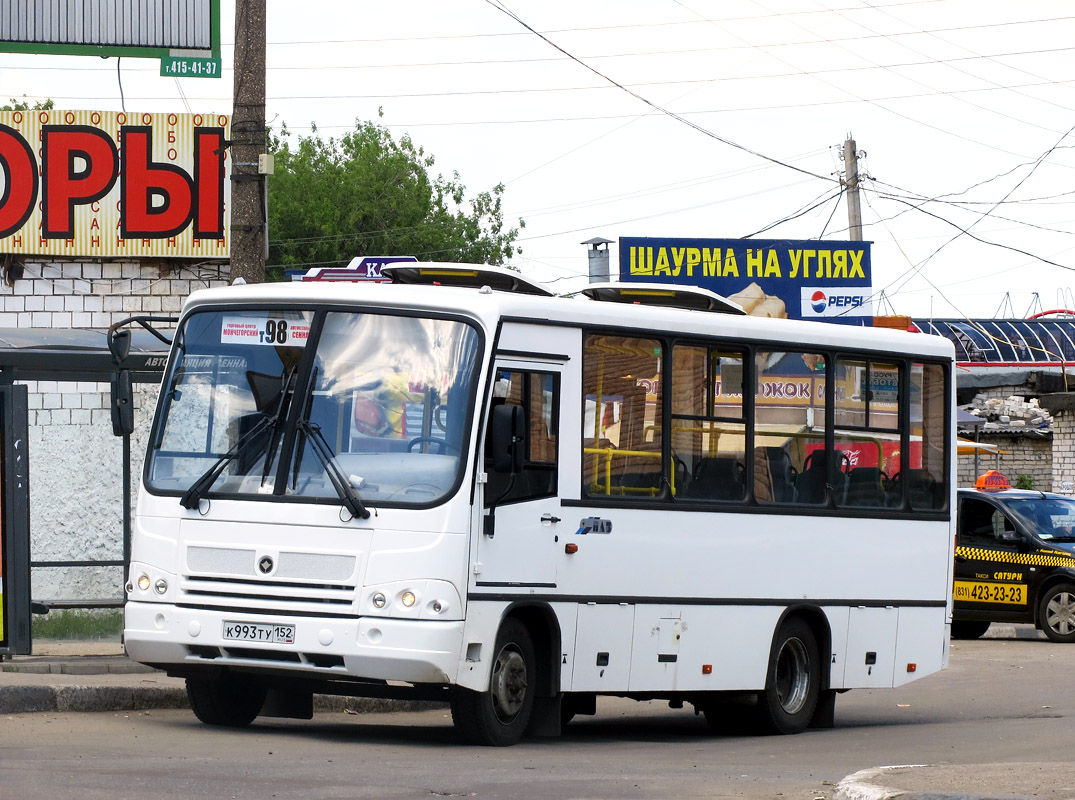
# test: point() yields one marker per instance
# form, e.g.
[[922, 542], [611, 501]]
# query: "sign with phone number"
[[976, 592]]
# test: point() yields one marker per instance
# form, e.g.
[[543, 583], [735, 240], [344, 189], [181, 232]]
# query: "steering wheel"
[[442, 444]]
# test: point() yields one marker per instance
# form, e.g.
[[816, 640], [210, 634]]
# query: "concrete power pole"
[[248, 142], [851, 184]]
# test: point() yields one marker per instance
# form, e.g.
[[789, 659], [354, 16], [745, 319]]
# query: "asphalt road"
[[1003, 701]]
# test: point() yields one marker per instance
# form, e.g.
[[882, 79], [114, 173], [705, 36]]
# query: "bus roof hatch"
[[472, 275], [662, 294]]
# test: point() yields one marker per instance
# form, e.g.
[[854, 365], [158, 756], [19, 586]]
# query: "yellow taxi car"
[[1014, 560]]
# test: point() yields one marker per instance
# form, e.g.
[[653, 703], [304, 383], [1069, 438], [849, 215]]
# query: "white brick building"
[[76, 464]]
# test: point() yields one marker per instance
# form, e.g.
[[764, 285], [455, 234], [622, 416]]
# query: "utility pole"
[[248, 142], [851, 184]]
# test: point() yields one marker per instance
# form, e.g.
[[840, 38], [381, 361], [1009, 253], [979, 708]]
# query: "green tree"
[[367, 193], [22, 105]]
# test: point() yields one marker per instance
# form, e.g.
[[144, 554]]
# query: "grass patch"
[[77, 624]]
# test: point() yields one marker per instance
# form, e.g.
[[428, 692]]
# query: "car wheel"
[[230, 700], [794, 680], [1056, 614], [498, 716], [968, 628]]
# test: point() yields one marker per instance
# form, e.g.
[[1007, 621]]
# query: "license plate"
[[978, 592], [260, 632]]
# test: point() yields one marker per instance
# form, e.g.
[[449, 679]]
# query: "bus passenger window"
[[789, 428], [622, 438], [868, 431], [708, 432]]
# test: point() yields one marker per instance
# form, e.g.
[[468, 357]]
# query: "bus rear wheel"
[[1057, 613], [793, 683], [229, 700], [498, 716]]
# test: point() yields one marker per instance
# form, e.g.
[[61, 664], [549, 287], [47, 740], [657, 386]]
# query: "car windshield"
[[1051, 518], [319, 405]]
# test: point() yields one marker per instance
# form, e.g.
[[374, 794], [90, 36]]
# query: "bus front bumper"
[[412, 651]]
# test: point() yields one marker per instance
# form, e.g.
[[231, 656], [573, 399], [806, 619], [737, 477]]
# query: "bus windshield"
[[327, 406]]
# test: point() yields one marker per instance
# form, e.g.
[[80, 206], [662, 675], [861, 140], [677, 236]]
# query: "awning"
[[76, 354], [966, 447]]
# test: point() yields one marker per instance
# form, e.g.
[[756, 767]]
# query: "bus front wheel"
[[229, 700], [793, 683], [498, 716]]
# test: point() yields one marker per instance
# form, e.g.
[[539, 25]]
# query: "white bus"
[[460, 487]]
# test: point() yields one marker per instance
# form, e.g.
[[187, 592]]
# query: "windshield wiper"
[[193, 496], [339, 481]]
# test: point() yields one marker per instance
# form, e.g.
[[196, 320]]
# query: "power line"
[[499, 5]]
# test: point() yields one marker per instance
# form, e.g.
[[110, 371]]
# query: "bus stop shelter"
[[49, 354]]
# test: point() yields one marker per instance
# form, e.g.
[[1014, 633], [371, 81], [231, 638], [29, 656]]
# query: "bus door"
[[517, 544]]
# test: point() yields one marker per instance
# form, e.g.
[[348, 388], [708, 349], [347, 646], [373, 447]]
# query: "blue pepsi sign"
[[778, 278]]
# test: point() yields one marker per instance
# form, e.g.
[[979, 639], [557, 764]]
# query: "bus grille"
[[273, 596]]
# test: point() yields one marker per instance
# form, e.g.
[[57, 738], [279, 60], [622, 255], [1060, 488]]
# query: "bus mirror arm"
[[507, 435]]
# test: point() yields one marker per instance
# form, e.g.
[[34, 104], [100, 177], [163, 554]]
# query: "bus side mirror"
[[508, 434], [122, 403], [1010, 537]]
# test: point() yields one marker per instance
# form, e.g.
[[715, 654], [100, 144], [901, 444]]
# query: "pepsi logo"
[[818, 301]]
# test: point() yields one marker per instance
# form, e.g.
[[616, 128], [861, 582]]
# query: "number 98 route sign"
[[265, 330]]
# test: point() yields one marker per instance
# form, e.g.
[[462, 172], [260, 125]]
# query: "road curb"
[[886, 783], [36, 699]]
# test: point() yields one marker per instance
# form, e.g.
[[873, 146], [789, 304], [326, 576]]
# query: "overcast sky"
[[694, 118]]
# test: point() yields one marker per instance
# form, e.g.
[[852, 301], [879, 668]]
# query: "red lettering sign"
[[78, 166], [209, 178], [20, 181], [156, 197]]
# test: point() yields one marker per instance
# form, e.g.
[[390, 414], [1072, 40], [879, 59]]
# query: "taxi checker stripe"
[[979, 554]]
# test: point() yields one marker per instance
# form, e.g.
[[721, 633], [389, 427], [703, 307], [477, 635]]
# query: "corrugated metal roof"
[[1007, 342], [179, 24]]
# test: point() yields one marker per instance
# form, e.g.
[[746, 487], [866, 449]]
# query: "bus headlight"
[[161, 586], [143, 582], [378, 600], [407, 598]]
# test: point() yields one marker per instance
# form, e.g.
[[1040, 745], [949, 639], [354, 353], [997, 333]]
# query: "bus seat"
[[717, 478], [866, 487], [811, 482], [774, 476], [923, 490]]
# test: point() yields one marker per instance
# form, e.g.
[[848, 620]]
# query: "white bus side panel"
[[674, 644], [603, 647], [871, 647], [922, 640]]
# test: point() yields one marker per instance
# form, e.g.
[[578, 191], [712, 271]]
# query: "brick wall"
[[76, 468], [1064, 452], [1023, 456]]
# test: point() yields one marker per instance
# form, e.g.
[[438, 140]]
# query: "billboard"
[[112, 184], [782, 278], [137, 28]]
